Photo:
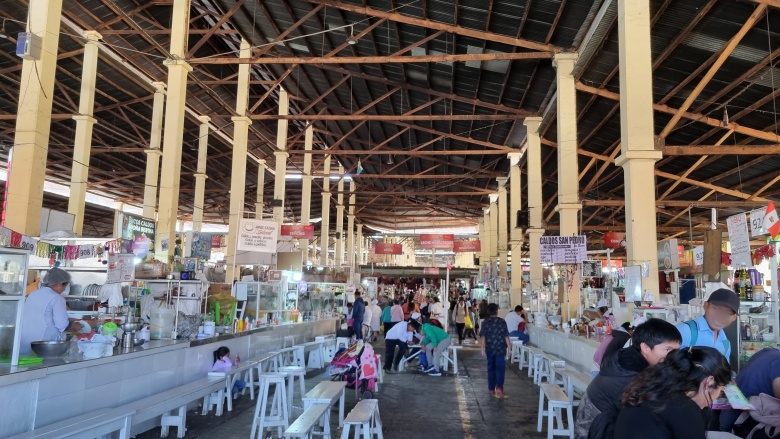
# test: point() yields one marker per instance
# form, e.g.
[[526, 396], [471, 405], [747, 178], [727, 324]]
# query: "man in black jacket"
[[601, 403]]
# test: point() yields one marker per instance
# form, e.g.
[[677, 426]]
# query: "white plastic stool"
[[516, 346], [294, 372], [278, 416], [329, 350], [342, 342], [215, 399], [525, 357]]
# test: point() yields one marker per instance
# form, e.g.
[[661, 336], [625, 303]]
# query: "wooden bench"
[[327, 392], [534, 363], [548, 366], [556, 401], [173, 399], [446, 358], [404, 360], [87, 426], [573, 380], [303, 427], [316, 352], [365, 418], [292, 356]]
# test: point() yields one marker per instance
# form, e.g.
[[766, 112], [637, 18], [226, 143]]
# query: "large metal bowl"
[[129, 327], [49, 349]]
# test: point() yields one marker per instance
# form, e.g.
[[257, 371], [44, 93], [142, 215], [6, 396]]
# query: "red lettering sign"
[[467, 246], [382, 248], [431, 270], [437, 241], [298, 231], [614, 239]]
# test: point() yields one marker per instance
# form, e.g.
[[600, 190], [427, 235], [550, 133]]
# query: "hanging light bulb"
[[390, 160], [3, 34], [351, 39], [359, 168]]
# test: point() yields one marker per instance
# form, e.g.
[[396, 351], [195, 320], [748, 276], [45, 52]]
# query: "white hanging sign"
[[563, 249], [698, 256], [257, 235], [740, 240], [757, 222]]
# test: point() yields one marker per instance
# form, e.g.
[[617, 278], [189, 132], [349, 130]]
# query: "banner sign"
[[298, 231], [613, 263], [137, 235], [467, 246], [740, 240], [216, 241], [257, 235], [437, 241], [668, 255], [382, 248], [563, 249], [614, 239], [431, 270]]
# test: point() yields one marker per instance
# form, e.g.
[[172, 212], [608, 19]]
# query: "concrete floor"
[[412, 406]]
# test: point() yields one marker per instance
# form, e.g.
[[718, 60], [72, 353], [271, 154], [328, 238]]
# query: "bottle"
[[747, 331], [246, 324], [238, 358]]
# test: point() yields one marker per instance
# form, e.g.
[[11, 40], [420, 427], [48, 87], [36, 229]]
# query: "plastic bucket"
[[162, 324]]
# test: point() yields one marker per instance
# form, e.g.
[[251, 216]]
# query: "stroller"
[[357, 365]]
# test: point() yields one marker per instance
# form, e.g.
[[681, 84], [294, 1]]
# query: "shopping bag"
[[468, 322]]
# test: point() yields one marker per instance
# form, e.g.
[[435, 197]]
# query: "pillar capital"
[[204, 119], [532, 123], [92, 36], [241, 119], [564, 62], [568, 206], [169, 62], [200, 175], [159, 87], [153, 151], [486, 210], [493, 198], [514, 158], [638, 155], [282, 154], [84, 117], [501, 183]]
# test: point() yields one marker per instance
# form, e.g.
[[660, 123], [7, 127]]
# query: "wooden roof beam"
[[376, 59], [697, 150]]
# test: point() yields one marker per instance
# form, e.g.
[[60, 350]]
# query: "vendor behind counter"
[[45, 315]]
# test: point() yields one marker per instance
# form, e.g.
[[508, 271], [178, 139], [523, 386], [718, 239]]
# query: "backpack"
[[436, 322], [695, 336], [766, 413]]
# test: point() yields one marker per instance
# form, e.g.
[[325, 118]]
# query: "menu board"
[[563, 249], [257, 235], [740, 240], [121, 268], [591, 268], [633, 281]]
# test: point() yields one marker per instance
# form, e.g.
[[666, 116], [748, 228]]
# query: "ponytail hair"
[[221, 352], [681, 372]]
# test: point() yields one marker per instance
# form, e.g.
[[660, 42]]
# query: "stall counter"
[[56, 390], [577, 350]]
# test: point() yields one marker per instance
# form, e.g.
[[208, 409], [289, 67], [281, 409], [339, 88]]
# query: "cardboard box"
[[220, 288]]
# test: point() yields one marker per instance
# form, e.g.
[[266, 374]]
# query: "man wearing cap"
[[720, 312]]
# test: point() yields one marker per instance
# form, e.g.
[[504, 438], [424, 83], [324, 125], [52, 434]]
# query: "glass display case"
[[13, 282], [325, 299]]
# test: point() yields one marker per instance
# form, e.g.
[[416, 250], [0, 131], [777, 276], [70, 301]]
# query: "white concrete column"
[[493, 229], [503, 236], [484, 237], [535, 204], [259, 205], [178, 69], [568, 172], [27, 165], [325, 225], [637, 134], [516, 241], [360, 245], [200, 174], [118, 208], [241, 124], [281, 156], [340, 219], [82, 144], [351, 225], [306, 190], [154, 153]]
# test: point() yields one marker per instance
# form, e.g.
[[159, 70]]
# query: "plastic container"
[[163, 321], [145, 334], [209, 328]]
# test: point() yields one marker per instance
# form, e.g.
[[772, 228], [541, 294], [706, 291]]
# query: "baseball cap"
[[725, 297], [415, 315]]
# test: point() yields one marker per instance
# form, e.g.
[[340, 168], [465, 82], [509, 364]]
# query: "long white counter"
[[575, 349], [43, 395]]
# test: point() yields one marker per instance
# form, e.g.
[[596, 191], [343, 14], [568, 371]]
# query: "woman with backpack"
[[459, 315]]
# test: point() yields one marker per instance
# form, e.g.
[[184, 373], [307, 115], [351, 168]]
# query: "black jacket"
[[601, 404]]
